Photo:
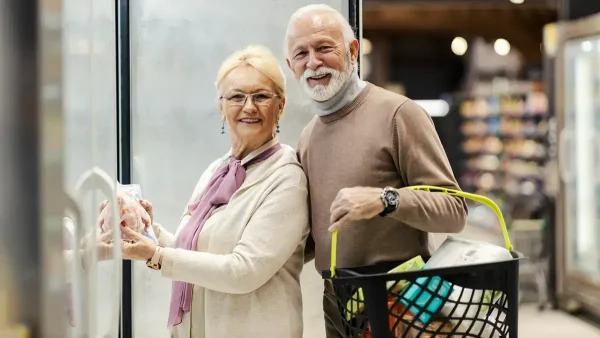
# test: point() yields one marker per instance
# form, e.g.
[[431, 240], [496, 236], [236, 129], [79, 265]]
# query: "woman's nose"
[[249, 106]]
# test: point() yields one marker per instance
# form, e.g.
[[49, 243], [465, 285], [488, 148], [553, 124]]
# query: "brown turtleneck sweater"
[[380, 139]]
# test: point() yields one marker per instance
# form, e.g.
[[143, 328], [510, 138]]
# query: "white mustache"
[[318, 72]]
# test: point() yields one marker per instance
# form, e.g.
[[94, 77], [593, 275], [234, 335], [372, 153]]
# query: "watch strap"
[[388, 210], [388, 207], [154, 261]]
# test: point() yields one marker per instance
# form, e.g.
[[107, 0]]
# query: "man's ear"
[[289, 64], [354, 51]]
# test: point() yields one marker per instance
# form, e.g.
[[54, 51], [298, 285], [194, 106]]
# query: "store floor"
[[532, 323]]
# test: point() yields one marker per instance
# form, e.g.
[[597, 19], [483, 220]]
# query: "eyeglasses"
[[259, 99]]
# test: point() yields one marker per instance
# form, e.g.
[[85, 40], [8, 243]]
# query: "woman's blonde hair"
[[259, 57]]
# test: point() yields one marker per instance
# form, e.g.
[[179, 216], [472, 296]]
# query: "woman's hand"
[[103, 247], [150, 210], [136, 246]]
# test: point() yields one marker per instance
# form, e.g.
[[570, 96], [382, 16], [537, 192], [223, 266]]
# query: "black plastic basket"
[[463, 301]]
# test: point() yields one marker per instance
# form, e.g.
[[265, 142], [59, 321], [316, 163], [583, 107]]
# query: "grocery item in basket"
[[356, 303], [426, 296], [440, 328], [462, 302], [399, 318], [457, 251]]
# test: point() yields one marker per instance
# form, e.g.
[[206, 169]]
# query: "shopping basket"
[[477, 300]]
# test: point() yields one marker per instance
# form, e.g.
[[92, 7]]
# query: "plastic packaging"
[[131, 212], [455, 252]]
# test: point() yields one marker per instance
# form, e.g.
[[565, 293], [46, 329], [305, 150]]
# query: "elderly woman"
[[236, 258]]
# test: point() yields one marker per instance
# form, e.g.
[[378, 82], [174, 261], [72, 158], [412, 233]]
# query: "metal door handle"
[[563, 165], [597, 152], [80, 313], [98, 179]]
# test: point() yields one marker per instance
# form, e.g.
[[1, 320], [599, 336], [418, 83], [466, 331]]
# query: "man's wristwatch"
[[390, 199], [154, 262]]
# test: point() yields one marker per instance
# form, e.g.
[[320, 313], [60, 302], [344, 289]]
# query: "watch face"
[[391, 197]]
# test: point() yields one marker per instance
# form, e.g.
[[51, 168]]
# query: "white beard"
[[322, 93]]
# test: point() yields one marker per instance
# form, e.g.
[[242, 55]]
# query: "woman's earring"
[[277, 130], [223, 128]]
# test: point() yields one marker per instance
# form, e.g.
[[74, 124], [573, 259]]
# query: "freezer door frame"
[[31, 190], [575, 290]]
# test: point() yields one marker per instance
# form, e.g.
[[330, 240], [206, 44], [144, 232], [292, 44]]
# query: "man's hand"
[[354, 204]]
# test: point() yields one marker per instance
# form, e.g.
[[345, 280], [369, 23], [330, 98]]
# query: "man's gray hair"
[[347, 31]]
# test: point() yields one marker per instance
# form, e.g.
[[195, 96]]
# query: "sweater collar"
[[349, 91], [349, 107]]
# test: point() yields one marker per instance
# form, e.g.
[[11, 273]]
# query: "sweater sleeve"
[[274, 232], [165, 238], [309, 249], [421, 160]]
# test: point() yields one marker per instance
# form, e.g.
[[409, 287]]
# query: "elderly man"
[[364, 144]]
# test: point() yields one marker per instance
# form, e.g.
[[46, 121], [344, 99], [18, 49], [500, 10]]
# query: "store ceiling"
[[520, 24]]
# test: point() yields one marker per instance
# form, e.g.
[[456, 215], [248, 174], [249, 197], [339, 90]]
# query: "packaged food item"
[[470, 312], [461, 301], [426, 296], [356, 303], [131, 211], [457, 251], [435, 328], [400, 317], [134, 190]]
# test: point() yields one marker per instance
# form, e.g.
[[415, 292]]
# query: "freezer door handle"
[[98, 179], [80, 311], [563, 164], [597, 154]]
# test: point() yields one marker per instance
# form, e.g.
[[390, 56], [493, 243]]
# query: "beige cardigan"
[[249, 257]]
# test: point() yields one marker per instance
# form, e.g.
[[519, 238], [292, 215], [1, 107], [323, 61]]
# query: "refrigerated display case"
[[578, 200], [83, 106]]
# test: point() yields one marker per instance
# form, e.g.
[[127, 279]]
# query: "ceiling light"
[[435, 108], [502, 47], [517, 1], [459, 46]]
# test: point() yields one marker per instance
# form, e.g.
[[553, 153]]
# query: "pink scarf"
[[226, 180]]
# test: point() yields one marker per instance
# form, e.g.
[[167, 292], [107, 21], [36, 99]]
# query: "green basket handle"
[[446, 191]]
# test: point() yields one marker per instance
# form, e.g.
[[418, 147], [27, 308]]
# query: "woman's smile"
[[250, 120]]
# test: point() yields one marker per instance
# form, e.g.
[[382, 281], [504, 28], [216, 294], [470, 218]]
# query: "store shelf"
[[504, 144]]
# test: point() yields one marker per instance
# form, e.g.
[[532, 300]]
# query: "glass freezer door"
[[580, 145], [176, 51], [90, 129]]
